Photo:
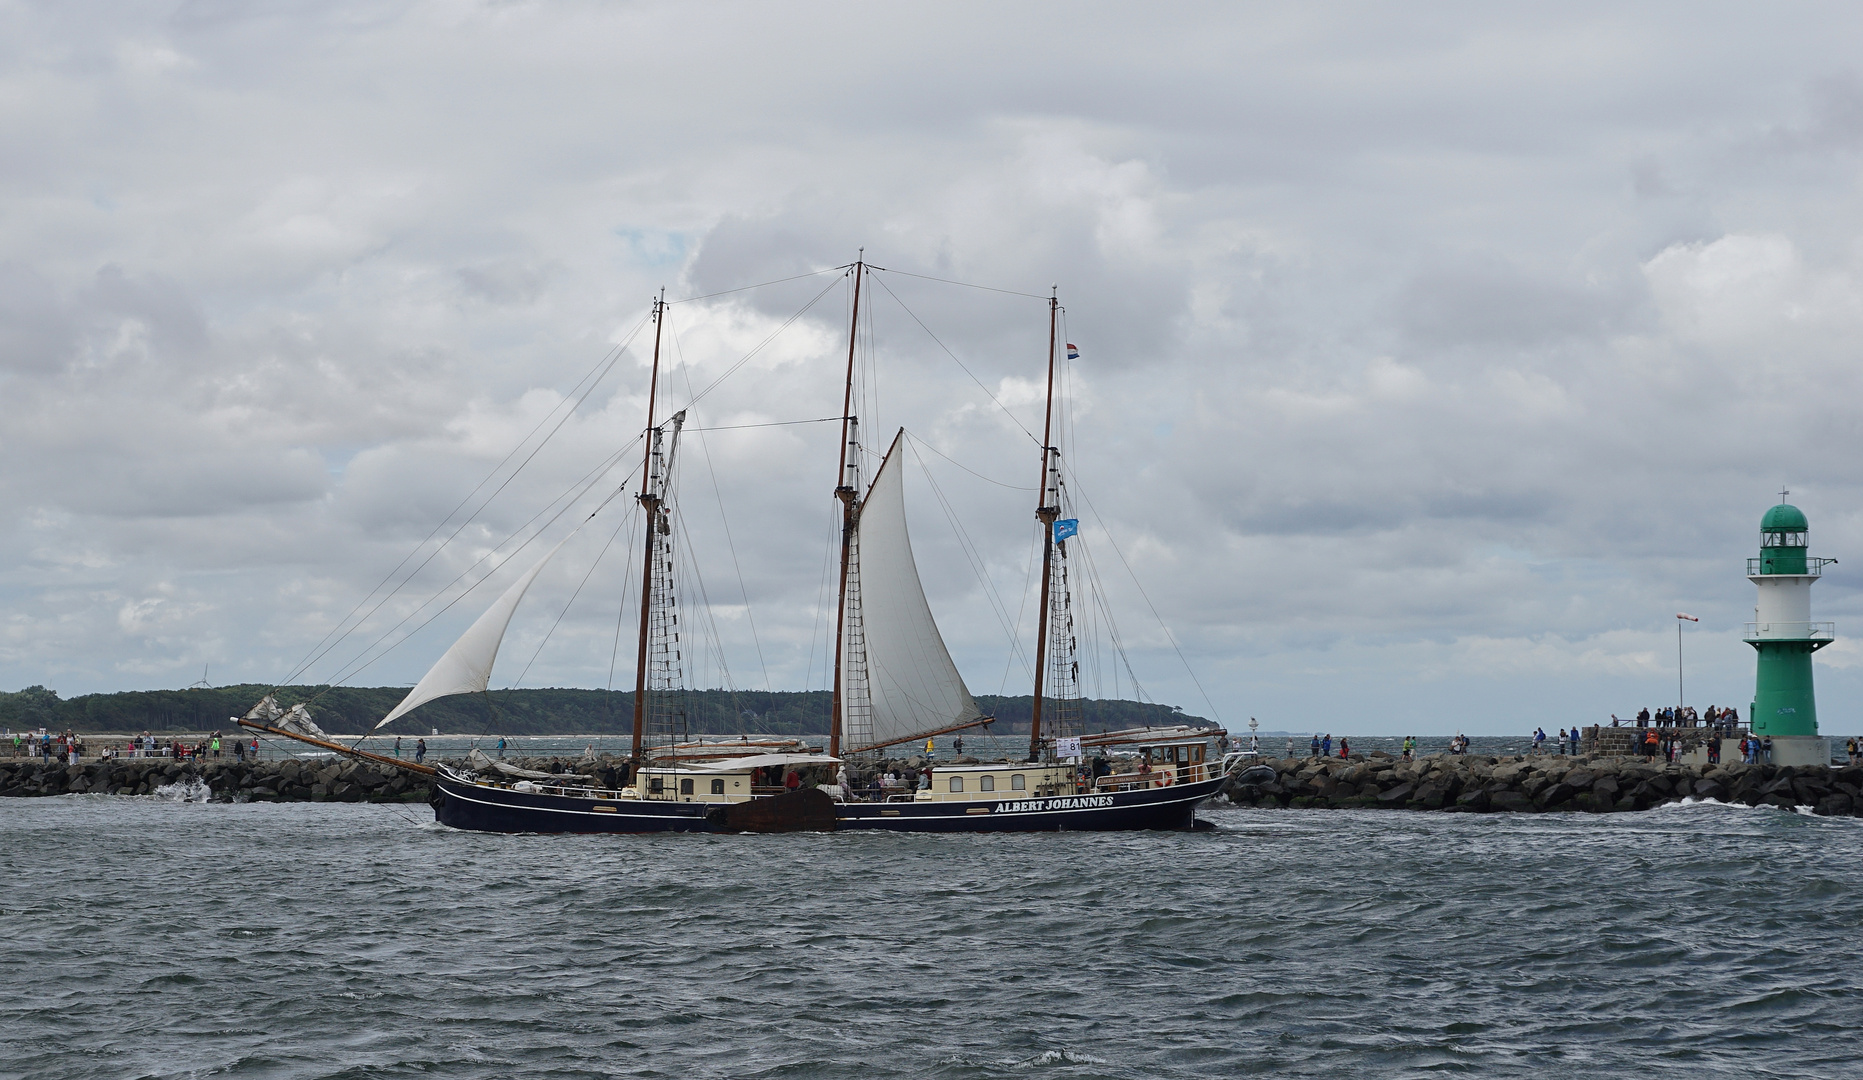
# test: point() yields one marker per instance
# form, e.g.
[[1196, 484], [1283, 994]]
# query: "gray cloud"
[[1430, 360]]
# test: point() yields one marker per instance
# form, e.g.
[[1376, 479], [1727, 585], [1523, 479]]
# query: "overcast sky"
[[1431, 358]]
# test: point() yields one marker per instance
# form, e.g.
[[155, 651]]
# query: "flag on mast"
[[1072, 352]]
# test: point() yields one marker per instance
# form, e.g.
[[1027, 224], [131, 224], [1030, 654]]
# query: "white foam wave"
[[1057, 1057], [189, 790]]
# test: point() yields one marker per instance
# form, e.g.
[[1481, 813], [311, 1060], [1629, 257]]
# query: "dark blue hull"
[[488, 809], [1154, 808], [464, 805]]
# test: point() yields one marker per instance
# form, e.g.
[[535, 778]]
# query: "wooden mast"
[[650, 504], [1046, 511], [848, 494]]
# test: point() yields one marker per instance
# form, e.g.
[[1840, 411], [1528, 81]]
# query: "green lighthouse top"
[[1784, 518], [1782, 541]]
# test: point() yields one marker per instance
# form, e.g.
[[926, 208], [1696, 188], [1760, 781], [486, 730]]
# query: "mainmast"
[[848, 491], [650, 505], [1047, 509]]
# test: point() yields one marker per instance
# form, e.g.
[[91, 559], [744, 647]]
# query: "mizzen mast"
[[1047, 509], [847, 489]]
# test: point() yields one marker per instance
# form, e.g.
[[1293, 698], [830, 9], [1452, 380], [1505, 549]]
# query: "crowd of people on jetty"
[[1684, 716], [68, 747]]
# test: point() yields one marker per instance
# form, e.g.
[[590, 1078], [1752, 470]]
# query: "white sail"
[[915, 688], [467, 667]]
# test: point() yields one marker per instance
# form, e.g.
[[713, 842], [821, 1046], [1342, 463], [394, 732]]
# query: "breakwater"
[[1537, 783], [219, 779]]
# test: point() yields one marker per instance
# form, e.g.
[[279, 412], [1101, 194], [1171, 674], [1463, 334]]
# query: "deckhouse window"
[[656, 785], [685, 786], [1018, 782], [988, 783], [957, 784], [718, 787]]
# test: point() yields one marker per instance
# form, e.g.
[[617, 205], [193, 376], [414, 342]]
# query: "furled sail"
[[467, 666], [915, 688]]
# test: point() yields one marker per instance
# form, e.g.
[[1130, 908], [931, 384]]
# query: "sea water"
[[156, 937]]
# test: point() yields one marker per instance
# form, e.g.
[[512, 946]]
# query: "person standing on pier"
[[1326, 745], [420, 750], [1316, 745]]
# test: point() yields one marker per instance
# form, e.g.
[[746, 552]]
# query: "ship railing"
[[1792, 631]]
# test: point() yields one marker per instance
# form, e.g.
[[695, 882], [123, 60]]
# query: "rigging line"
[[921, 442], [959, 363], [730, 542], [573, 496], [1112, 625], [745, 359], [627, 589], [1028, 578], [349, 671], [821, 592], [1172, 638], [965, 284], [625, 518], [773, 423], [324, 650], [759, 285], [997, 607], [596, 373], [690, 566]]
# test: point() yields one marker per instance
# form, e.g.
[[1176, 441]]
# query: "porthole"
[[988, 783], [957, 784], [1018, 782]]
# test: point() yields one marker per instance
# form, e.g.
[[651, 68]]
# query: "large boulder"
[[1836, 804], [1710, 789], [1396, 795], [1554, 795], [1509, 801]]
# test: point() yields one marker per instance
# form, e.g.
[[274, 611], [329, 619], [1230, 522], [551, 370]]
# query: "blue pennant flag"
[[1065, 528]]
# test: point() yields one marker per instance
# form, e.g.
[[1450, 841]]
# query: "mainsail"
[[467, 666], [915, 688]]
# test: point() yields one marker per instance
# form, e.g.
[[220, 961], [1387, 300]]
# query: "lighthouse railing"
[[1791, 631], [1813, 567]]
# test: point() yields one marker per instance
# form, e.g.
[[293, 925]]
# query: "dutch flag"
[[1072, 353]]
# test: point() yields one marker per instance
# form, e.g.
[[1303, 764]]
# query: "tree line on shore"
[[351, 710]]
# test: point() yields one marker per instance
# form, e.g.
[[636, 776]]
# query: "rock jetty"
[[224, 779], [1539, 784]]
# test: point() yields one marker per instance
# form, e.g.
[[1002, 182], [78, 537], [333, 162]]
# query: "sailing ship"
[[894, 683]]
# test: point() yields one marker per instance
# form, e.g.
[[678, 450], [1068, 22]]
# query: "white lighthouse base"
[[1801, 750]]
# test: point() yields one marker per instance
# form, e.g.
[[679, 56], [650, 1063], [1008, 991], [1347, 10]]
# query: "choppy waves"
[[156, 939]]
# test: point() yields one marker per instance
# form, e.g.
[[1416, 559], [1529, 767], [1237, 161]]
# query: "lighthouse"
[[1784, 708]]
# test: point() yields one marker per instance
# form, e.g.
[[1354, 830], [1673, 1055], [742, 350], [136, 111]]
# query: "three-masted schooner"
[[894, 683]]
